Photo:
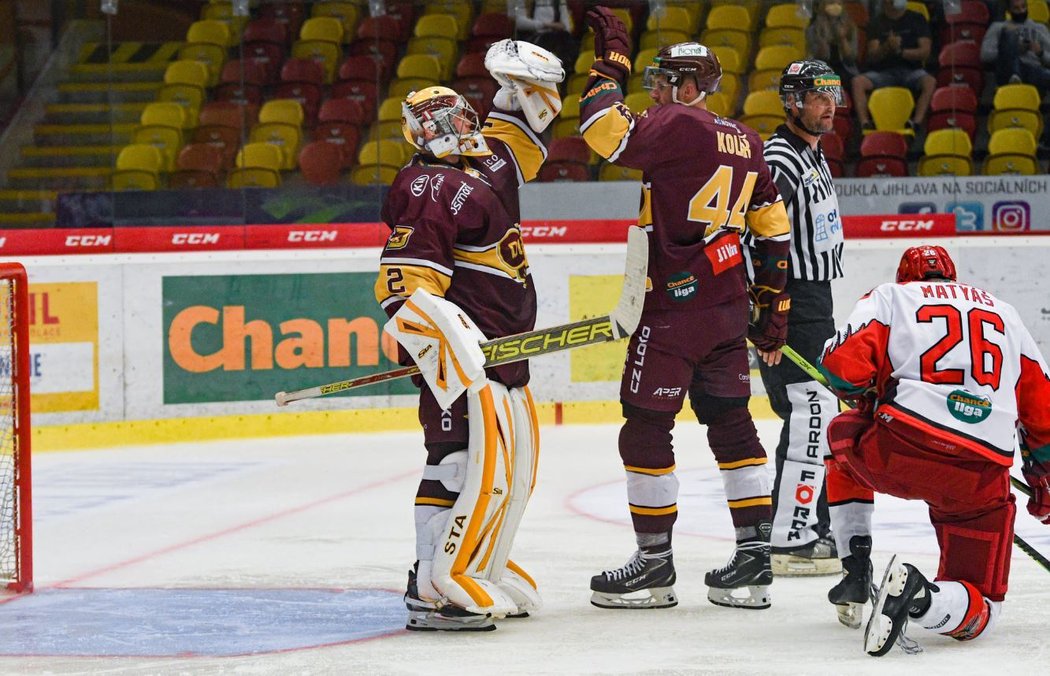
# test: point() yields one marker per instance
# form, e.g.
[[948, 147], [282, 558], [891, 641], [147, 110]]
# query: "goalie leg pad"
[[464, 546], [443, 341]]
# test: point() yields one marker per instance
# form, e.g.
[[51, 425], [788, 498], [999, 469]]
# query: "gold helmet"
[[440, 122]]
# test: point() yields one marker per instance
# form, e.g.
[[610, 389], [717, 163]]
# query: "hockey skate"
[[854, 589], [819, 557], [429, 616], [640, 583], [748, 570], [904, 590]]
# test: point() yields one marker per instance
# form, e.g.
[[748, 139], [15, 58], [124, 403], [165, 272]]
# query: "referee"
[[802, 540]]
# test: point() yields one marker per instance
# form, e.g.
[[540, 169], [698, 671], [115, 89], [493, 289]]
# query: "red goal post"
[[16, 517]]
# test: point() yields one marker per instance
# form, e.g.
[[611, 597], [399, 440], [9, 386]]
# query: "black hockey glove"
[[612, 44], [768, 331]]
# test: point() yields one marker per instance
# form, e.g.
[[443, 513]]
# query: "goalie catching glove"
[[528, 76], [444, 343], [612, 44], [769, 310]]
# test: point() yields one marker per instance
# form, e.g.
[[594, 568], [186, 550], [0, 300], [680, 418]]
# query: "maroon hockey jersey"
[[456, 232], [704, 180]]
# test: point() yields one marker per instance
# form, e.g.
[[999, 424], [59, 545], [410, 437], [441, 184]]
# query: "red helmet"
[[686, 58], [925, 262]]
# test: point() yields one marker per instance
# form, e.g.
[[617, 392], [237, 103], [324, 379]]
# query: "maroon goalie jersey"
[[455, 231], [704, 180]]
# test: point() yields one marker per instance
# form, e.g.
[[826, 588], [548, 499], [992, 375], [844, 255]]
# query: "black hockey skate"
[[904, 591], [640, 583], [428, 616], [854, 589], [748, 570], [819, 557]]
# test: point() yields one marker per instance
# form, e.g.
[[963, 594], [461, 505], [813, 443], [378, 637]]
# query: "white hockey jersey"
[[949, 359]]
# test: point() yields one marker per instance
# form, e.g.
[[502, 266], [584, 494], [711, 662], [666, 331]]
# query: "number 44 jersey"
[[949, 360]]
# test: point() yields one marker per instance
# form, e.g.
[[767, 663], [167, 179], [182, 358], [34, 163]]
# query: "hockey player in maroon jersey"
[[704, 180], [944, 374], [453, 273]]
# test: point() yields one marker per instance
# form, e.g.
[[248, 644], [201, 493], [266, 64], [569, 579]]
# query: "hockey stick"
[[619, 323], [816, 375]]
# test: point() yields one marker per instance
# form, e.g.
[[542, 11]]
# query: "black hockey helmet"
[[810, 75], [685, 58]]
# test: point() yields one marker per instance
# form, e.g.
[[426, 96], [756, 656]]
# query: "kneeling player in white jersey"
[[453, 272], [944, 374]]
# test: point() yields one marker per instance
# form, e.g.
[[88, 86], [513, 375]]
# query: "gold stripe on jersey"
[[528, 153], [746, 462], [494, 257], [651, 472], [645, 214], [605, 134], [403, 280], [769, 221]]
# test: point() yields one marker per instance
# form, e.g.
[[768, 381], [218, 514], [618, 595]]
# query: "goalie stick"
[[816, 375], [619, 323]]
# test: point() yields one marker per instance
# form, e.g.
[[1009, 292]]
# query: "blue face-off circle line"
[[193, 622]]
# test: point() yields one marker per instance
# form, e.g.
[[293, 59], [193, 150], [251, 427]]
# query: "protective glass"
[[831, 85]]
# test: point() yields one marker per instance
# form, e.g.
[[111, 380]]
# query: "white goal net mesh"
[[8, 436]]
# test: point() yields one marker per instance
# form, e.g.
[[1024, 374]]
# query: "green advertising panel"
[[245, 337]]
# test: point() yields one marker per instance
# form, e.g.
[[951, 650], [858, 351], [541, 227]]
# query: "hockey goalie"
[[453, 272]]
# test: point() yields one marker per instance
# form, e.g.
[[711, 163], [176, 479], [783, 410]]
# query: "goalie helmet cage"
[[16, 519]]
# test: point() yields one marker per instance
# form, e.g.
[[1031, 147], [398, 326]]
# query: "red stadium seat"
[[489, 28], [227, 114], [362, 67], [342, 110], [307, 94], [478, 92], [472, 64], [833, 147], [883, 153], [569, 149], [247, 94], [290, 14], [343, 135], [563, 171], [226, 139], [953, 106], [251, 72], [384, 51], [199, 165], [302, 70], [969, 25], [320, 163], [267, 55], [362, 91], [385, 27], [960, 64]]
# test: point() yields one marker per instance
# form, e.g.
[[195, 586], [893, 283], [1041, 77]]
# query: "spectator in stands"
[[898, 46], [548, 25], [1018, 48], [832, 38]]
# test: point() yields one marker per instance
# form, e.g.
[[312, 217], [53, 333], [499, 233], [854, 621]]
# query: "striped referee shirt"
[[804, 181]]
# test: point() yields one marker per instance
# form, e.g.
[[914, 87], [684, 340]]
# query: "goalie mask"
[[674, 62], [925, 262], [810, 75], [440, 122]]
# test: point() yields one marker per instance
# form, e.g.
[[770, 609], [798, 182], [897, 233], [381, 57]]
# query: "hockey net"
[[16, 556]]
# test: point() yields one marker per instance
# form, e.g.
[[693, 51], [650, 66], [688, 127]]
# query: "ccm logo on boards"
[[906, 225], [195, 238], [89, 240], [312, 236]]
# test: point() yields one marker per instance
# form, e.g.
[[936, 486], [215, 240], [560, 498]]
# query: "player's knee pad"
[[731, 432], [645, 438], [813, 408], [978, 549], [958, 609], [471, 552]]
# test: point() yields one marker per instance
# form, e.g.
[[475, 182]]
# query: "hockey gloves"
[[769, 329], [612, 44], [1038, 478]]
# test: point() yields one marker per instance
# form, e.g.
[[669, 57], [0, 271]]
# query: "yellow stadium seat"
[[138, 168], [210, 32], [285, 137], [1016, 118], [919, 7], [285, 111], [566, 126], [693, 7], [323, 52], [730, 59], [1038, 11], [1023, 96], [165, 139], [323, 29], [763, 102], [948, 141], [764, 79], [461, 10], [570, 107], [188, 96], [891, 108], [253, 177], [945, 165], [719, 104], [166, 114], [587, 43], [730, 86], [211, 56], [373, 174], [673, 17], [347, 13], [260, 155], [733, 16], [740, 41], [439, 25], [1009, 163], [612, 172], [765, 125], [638, 101], [419, 66], [390, 153], [625, 17], [786, 15], [644, 59], [444, 50], [223, 11], [388, 130], [783, 35], [389, 109], [187, 72], [1016, 105], [576, 82], [1012, 140], [583, 62], [403, 86], [662, 38], [777, 56]]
